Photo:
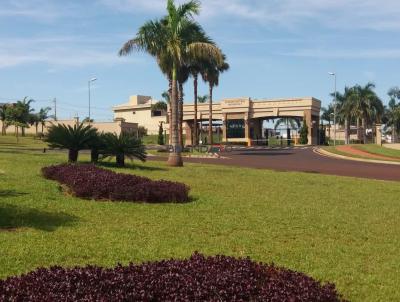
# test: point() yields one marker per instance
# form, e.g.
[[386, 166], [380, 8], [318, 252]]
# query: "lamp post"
[[334, 110], [90, 82]]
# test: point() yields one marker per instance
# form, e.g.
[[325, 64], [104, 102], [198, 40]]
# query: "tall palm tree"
[[210, 74], [344, 107], [367, 106], [165, 40], [288, 121], [327, 116], [24, 110], [183, 76]]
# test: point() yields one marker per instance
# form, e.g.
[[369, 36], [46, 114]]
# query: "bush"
[[91, 182], [199, 278], [304, 134]]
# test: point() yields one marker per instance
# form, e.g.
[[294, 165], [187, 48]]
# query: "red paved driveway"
[[302, 160]]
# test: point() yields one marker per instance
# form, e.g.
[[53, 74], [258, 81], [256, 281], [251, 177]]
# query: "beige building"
[[241, 118], [139, 110]]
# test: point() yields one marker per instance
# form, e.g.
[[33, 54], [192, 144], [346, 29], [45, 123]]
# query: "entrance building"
[[242, 118]]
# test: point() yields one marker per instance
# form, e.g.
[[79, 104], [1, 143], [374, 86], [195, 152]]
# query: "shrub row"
[[91, 182], [199, 278]]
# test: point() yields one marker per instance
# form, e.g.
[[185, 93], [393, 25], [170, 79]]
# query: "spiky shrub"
[[198, 278], [91, 182], [74, 138], [122, 146], [96, 146]]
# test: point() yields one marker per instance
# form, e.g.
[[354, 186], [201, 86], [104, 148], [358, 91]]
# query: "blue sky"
[[276, 49]]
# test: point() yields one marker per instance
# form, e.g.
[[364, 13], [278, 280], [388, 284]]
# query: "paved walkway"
[[354, 151], [301, 160]]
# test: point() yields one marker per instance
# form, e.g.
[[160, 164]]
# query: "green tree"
[[304, 134], [167, 41], [210, 73], [73, 139], [288, 121], [96, 145], [392, 113], [3, 117], [202, 99], [160, 138], [122, 146], [366, 106]]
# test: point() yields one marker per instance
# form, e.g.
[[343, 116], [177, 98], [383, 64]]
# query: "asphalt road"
[[302, 160]]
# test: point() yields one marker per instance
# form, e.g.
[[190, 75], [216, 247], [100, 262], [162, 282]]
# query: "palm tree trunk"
[[359, 131], [195, 84], [180, 114], [73, 155], [175, 157], [94, 155], [346, 131], [394, 134], [170, 110], [363, 126], [36, 129], [210, 118]]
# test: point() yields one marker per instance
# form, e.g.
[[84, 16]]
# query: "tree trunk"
[[94, 155], [73, 155], [195, 134], [23, 131], [170, 111], [42, 128], [363, 126], [36, 129], [346, 131], [359, 131], [394, 134], [180, 114], [120, 159], [175, 156], [210, 118]]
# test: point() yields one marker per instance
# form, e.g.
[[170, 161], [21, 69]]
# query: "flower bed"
[[199, 278], [91, 182]]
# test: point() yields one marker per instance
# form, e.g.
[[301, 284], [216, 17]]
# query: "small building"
[[140, 110]]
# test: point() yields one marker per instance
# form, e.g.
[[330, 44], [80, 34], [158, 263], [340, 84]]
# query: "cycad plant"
[[74, 138], [123, 145]]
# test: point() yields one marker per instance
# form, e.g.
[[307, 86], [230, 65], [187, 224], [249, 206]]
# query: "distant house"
[[139, 110]]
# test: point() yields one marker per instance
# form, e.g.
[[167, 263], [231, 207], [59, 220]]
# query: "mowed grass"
[[372, 149], [336, 229]]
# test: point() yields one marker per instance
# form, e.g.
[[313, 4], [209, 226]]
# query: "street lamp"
[[334, 110], [89, 82]]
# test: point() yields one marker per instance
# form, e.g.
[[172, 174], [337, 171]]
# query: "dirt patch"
[[357, 152]]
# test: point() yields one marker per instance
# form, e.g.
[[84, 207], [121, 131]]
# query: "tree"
[[122, 146], [367, 107], [23, 114], [160, 138], [74, 138], [326, 115], [159, 106], [288, 121], [210, 73], [96, 146], [345, 110], [3, 116], [304, 134], [202, 99], [392, 113], [166, 40]]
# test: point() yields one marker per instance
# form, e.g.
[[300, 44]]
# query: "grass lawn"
[[336, 229], [373, 149]]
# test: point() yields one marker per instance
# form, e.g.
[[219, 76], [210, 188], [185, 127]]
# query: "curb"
[[325, 153]]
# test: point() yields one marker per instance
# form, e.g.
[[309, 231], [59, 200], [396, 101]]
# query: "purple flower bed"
[[199, 278], [89, 181]]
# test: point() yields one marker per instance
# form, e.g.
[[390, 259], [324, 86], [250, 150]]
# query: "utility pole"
[[55, 109]]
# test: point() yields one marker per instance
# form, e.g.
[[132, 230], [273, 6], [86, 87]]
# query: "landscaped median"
[[364, 153]]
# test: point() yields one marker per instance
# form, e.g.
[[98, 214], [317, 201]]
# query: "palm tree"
[[210, 74], [392, 113], [367, 106], [3, 116], [24, 113], [166, 40], [288, 121], [202, 99], [123, 145], [183, 76], [72, 138], [345, 108], [327, 116]]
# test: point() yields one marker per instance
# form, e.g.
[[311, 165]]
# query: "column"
[[225, 127], [189, 134], [379, 134], [247, 129], [308, 119]]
